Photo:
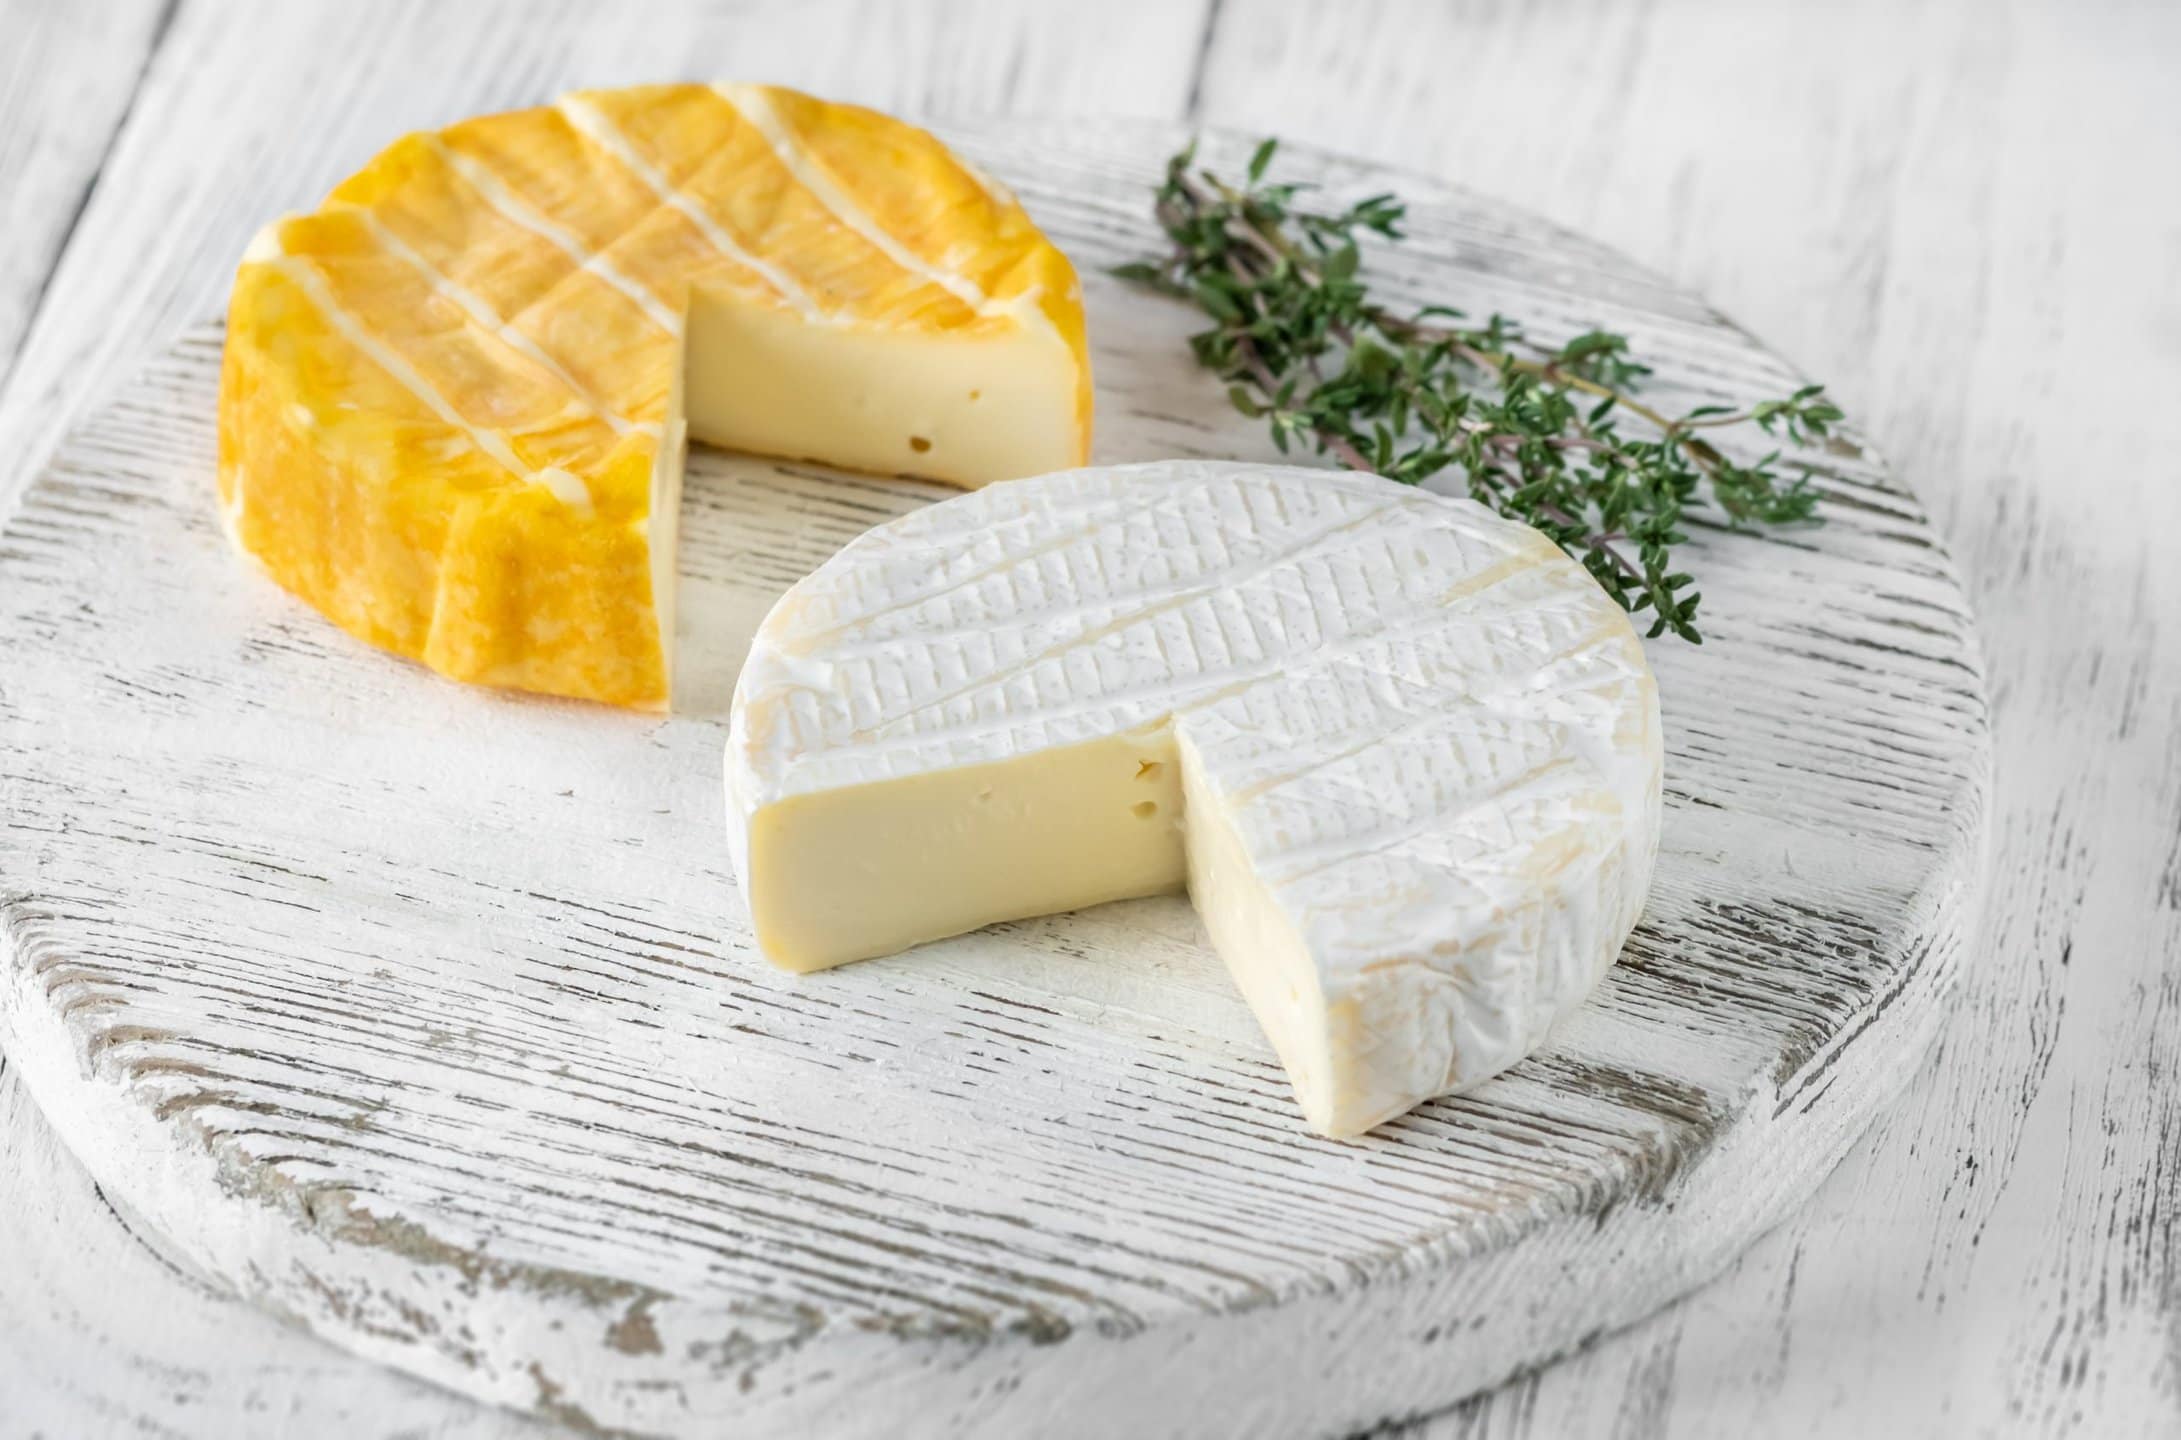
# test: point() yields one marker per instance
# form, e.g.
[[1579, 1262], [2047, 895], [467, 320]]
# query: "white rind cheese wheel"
[[1404, 754]]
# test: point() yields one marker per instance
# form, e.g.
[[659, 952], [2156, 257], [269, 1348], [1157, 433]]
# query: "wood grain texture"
[[66, 81], [423, 1016], [103, 1332], [1947, 209]]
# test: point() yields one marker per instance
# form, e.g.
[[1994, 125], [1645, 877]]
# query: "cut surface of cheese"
[[455, 398], [1404, 755]]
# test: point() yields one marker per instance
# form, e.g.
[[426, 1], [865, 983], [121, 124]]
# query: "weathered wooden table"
[[1960, 215]]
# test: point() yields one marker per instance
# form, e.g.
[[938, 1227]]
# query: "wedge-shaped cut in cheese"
[[455, 398], [1403, 754]]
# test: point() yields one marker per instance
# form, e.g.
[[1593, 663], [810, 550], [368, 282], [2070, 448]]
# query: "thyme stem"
[[1535, 429]]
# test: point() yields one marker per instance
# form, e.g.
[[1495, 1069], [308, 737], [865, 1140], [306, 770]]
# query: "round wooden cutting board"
[[425, 1015]]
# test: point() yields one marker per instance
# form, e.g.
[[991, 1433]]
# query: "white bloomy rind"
[[1413, 750]]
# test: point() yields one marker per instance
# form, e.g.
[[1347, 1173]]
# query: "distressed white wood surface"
[[57, 122], [1943, 208], [423, 1016], [103, 1333]]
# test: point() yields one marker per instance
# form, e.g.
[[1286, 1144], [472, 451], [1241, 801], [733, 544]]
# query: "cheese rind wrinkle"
[[454, 398], [1415, 751]]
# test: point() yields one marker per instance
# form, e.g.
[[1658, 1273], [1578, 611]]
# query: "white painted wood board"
[[57, 122], [1997, 1256], [535, 1112]]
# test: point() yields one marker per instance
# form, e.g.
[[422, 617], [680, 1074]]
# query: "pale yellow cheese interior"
[[959, 408], [848, 874], [866, 870], [1268, 959]]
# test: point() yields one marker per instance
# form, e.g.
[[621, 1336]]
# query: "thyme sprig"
[[1536, 429]]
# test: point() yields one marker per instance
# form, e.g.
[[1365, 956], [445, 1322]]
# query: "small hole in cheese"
[[1145, 809], [1148, 769], [975, 396], [919, 444]]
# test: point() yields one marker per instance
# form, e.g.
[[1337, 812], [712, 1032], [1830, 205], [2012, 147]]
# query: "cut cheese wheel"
[[455, 397], [1404, 755]]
